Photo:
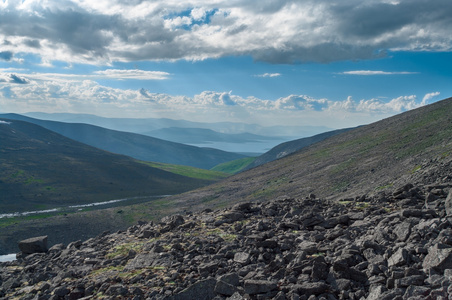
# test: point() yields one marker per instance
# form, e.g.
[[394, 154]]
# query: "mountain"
[[367, 159], [203, 136], [42, 169], [135, 145], [144, 125], [290, 147]]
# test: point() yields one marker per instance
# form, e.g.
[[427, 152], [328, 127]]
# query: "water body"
[[105, 204], [8, 257]]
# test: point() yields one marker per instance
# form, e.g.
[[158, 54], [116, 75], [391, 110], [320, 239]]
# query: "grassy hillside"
[[367, 159], [42, 169], [190, 172], [135, 145], [290, 147], [234, 166]]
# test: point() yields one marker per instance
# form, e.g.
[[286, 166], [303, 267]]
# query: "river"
[[110, 203]]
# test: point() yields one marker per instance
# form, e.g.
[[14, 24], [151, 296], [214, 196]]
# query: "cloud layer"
[[286, 31], [48, 92]]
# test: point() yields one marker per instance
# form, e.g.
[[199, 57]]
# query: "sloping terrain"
[[290, 147], [42, 169], [368, 159], [393, 246], [135, 145]]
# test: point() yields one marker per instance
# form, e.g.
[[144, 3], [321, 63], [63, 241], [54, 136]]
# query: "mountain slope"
[[135, 145], [366, 159], [42, 169], [290, 147]]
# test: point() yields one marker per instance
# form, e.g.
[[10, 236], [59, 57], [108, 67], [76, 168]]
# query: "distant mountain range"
[[135, 145], [42, 169], [143, 126], [202, 136]]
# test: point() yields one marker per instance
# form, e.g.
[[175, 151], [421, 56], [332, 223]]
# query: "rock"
[[225, 288], [416, 291], [173, 221], [242, 258], [439, 258], [311, 288], [399, 258], [201, 290], [448, 203], [117, 290], [230, 278], [308, 247], [253, 287], [34, 245], [403, 231]]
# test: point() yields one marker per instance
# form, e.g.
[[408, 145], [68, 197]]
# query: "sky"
[[300, 63]]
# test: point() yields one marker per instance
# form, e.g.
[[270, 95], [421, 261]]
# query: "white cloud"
[[271, 75], [370, 72], [133, 74], [275, 31], [81, 95], [429, 97]]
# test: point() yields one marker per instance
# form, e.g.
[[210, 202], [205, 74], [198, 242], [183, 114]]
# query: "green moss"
[[187, 171], [123, 249]]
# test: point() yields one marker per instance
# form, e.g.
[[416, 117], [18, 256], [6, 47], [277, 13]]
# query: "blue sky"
[[319, 63]]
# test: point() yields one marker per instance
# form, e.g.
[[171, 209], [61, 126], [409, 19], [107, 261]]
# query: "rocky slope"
[[391, 245]]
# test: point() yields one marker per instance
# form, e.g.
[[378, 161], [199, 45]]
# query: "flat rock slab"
[[34, 245]]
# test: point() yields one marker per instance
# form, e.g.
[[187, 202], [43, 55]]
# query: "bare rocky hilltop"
[[385, 233]]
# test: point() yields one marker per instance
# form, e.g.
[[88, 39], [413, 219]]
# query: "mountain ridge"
[[135, 145], [41, 168]]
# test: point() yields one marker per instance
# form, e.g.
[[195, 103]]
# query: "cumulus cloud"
[[287, 31], [81, 95], [370, 72], [13, 78]]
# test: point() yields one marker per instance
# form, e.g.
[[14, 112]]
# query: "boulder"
[[439, 258], [34, 245], [201, 290], [253, 287]]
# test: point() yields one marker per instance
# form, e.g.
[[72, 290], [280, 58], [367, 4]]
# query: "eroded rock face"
[[369, 247]]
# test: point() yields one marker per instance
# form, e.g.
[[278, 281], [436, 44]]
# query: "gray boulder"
[[34, 245], [439, 258]]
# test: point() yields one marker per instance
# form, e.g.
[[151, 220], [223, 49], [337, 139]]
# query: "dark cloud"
[[33, 43], [18, 80], [144, 93], [227, 100], [6, 55], [327, 31]]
